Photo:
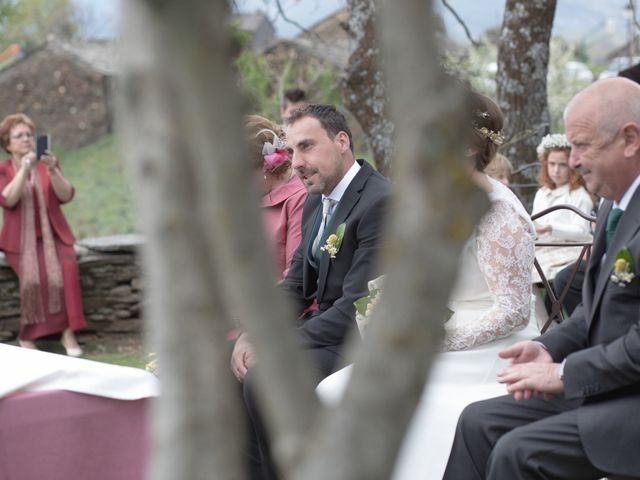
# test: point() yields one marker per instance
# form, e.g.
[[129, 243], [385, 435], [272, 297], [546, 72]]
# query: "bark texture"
[[206, 254], [364, 93], [523, 60]]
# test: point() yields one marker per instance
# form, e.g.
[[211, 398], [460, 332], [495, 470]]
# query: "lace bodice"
[[492, 297]]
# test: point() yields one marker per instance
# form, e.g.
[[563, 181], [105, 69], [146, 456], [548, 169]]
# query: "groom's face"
[[317, 159]]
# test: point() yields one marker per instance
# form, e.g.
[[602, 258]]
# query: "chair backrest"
[[556, 301]]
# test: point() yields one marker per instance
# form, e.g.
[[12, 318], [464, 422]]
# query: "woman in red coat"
[[36, 238]]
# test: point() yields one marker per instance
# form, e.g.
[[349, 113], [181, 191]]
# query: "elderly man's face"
[[596, 155]]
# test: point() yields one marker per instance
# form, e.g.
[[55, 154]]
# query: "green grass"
[[130, 359], [102, 204]]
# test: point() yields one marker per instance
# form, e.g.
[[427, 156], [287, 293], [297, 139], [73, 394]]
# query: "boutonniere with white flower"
[[624, 270], [332, 245]]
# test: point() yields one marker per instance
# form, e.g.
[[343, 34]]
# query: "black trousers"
[[574, 295], [261, 466], [502, 438]]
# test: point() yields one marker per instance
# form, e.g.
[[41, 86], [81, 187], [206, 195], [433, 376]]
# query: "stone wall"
[[110, 278]]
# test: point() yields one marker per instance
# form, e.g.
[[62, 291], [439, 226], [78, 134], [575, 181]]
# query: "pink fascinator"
[[274, 153]]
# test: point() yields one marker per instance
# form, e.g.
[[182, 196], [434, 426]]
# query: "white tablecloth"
[[23, 369]]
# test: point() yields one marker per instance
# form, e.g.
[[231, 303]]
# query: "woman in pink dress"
[[36, 238], [283, 192]]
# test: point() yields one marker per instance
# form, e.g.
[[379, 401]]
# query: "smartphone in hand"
[[42, 144]]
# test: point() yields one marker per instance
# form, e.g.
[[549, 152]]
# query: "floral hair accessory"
[[623, 268], [553, 141], [495, 137], [274, 153]]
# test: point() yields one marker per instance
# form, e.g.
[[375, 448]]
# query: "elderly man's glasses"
[[20, 135]]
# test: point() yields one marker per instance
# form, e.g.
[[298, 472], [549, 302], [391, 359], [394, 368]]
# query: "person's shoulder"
[[373, 179], [580, 192]]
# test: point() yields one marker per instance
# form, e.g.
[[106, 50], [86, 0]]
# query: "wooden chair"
[[557, 313]]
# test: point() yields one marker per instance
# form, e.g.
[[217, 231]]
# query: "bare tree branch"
[[287, 19], [461, 22]]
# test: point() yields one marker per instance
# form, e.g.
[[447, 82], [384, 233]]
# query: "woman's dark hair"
[[294, 95], [7, 125], [255, 141], [487, 122], [331, 120]]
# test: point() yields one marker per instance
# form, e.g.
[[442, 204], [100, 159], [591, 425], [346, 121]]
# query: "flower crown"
[[495, 137], [553, 141], [274, 153]]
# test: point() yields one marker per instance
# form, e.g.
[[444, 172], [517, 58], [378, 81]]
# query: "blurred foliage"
[[30, 22], [264, 78], [478, 67]]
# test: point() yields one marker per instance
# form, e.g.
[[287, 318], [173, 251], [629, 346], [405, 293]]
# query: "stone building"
[[66, 88]]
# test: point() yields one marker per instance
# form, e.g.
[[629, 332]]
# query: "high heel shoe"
[[72, 350], [27, 344]]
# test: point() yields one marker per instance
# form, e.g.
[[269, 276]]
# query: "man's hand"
[[525, 352], [524, 378], [242, 357]]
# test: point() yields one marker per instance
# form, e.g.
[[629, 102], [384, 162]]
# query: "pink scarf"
[[30, 294]]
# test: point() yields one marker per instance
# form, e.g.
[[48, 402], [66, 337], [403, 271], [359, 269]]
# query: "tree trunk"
[[434, 211], [523, 60], [206, 254], [364, 88]]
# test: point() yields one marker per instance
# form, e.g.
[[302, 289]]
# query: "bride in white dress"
[[492, 305]]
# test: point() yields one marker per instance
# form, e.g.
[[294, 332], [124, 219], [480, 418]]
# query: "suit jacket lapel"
[[597, 251], [347, 203], [627, 228]]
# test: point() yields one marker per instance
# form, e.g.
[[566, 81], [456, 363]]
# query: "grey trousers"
[[502, 438]]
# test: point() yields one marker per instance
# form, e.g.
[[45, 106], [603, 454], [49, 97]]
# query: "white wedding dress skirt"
[[456, 380], [491, 298]]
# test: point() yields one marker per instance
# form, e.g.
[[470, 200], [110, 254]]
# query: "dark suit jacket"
[[601, 344], [340, 281], [12, 223]]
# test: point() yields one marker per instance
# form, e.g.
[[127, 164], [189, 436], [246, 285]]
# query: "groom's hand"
[[522, 378], [242, 357]]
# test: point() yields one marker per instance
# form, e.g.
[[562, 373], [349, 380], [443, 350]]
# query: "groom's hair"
[[332, 121]]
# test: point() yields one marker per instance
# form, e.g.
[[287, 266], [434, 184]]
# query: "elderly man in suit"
[[346, 199], [575, 391]]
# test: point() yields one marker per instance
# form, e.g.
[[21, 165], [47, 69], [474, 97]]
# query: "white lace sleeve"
[[505, 248]]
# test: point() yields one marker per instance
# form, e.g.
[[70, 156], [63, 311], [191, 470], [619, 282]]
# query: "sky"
[[574, 18], [100, 16]]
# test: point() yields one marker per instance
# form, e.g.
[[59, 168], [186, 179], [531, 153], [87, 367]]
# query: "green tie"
[[612, 223]]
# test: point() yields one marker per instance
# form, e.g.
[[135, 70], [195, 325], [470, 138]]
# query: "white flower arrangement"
[[553, 141], [623, 268]]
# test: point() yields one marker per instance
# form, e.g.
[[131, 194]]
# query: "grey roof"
[[250, 22], [102, 55]]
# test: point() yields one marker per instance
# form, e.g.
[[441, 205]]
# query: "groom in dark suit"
[[575, 391], [346, 199]]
